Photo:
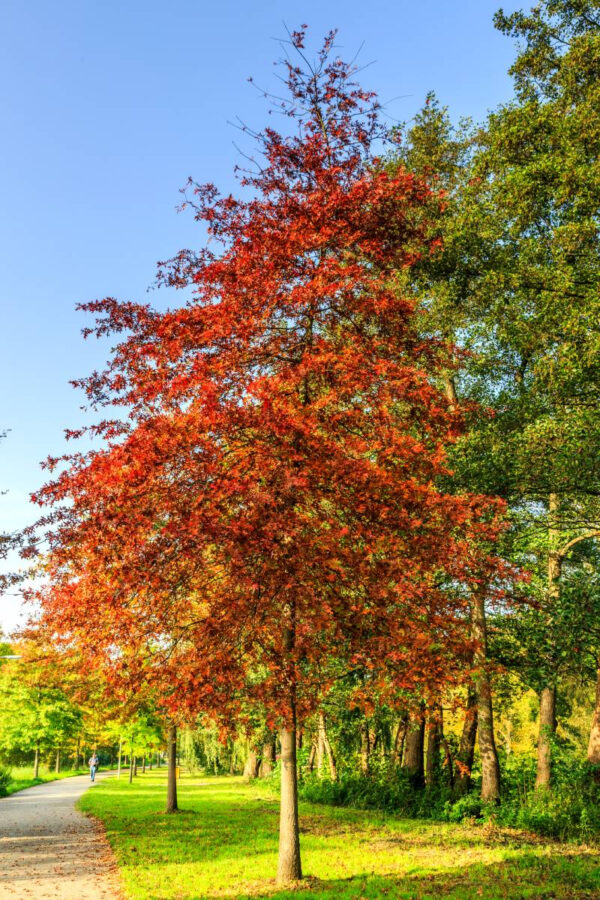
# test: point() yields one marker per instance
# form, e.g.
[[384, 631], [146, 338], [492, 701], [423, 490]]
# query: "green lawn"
[[22, 777], [224, 844]]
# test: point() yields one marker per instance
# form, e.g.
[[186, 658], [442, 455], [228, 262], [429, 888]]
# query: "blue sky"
[[108, 106]]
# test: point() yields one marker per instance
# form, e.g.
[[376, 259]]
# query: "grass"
[[22, 777], [224, 844]]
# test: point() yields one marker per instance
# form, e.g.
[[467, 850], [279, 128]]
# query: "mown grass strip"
[[224, 844]]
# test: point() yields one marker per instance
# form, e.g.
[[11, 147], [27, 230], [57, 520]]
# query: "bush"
[[390, 789], [570, 810], [5, 780]]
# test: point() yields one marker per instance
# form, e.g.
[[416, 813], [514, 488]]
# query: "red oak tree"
[[266, 501]]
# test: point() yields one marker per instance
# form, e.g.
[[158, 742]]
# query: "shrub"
[[5, 780]]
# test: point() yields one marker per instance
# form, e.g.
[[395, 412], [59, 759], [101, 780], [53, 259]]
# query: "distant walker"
[[93, 764]]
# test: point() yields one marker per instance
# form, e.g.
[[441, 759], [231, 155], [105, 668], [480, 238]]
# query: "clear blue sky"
[[108, 106]]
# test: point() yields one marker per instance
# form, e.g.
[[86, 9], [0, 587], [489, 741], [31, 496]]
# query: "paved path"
[[50, 850]]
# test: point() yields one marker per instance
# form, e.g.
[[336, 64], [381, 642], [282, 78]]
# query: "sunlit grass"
[[224, 844], [22, 777]]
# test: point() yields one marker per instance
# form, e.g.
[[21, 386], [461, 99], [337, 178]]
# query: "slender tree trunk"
[[36, 761], [120, 757], [448, 761], [158, 759], [135, 760], [151, 760], [289, 866], [320, 755], [57, 766], [490, 768], [327, 747], [78, 751], [434, 744], [312, 756], [399, 739], [131, 766], [144, 765], [365, 748], [548, 692], [466, 748], [413, 752], [171, 773], [593, 752], [547, 730]]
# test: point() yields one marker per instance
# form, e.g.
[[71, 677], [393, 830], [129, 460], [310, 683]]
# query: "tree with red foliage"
[[268, 502]]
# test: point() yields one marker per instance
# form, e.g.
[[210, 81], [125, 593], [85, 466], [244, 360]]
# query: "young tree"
[[272, 505]]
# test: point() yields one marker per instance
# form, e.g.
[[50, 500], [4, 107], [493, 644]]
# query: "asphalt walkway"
[[49, 850]]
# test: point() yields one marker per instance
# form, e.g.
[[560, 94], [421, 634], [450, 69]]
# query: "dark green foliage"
[[5, 780], [570, 811]]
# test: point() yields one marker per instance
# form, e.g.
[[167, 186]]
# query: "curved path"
[[48, 849]]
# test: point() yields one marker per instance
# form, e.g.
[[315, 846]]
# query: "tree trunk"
[[329, 753], [171, 773], [312, 756], [448, 762], [490, 768], [131, 766], [57, 766], [413, 753], [434, 743], [120, 757], [547, 730], [548, 692], [252, 767], [144, 765], [268, 757], [365, 748], [289, 866], [320, 750], [36, 762], [151, 760], [158, 759], [593, 752], [466, 748], [135, 766], [399, 739]]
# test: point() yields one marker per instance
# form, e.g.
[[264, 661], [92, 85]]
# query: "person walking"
[[93, 764]]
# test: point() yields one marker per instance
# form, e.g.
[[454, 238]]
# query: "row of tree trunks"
[[321, 750]]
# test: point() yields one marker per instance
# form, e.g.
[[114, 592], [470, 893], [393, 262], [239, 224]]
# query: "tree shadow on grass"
[[572, 876]]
